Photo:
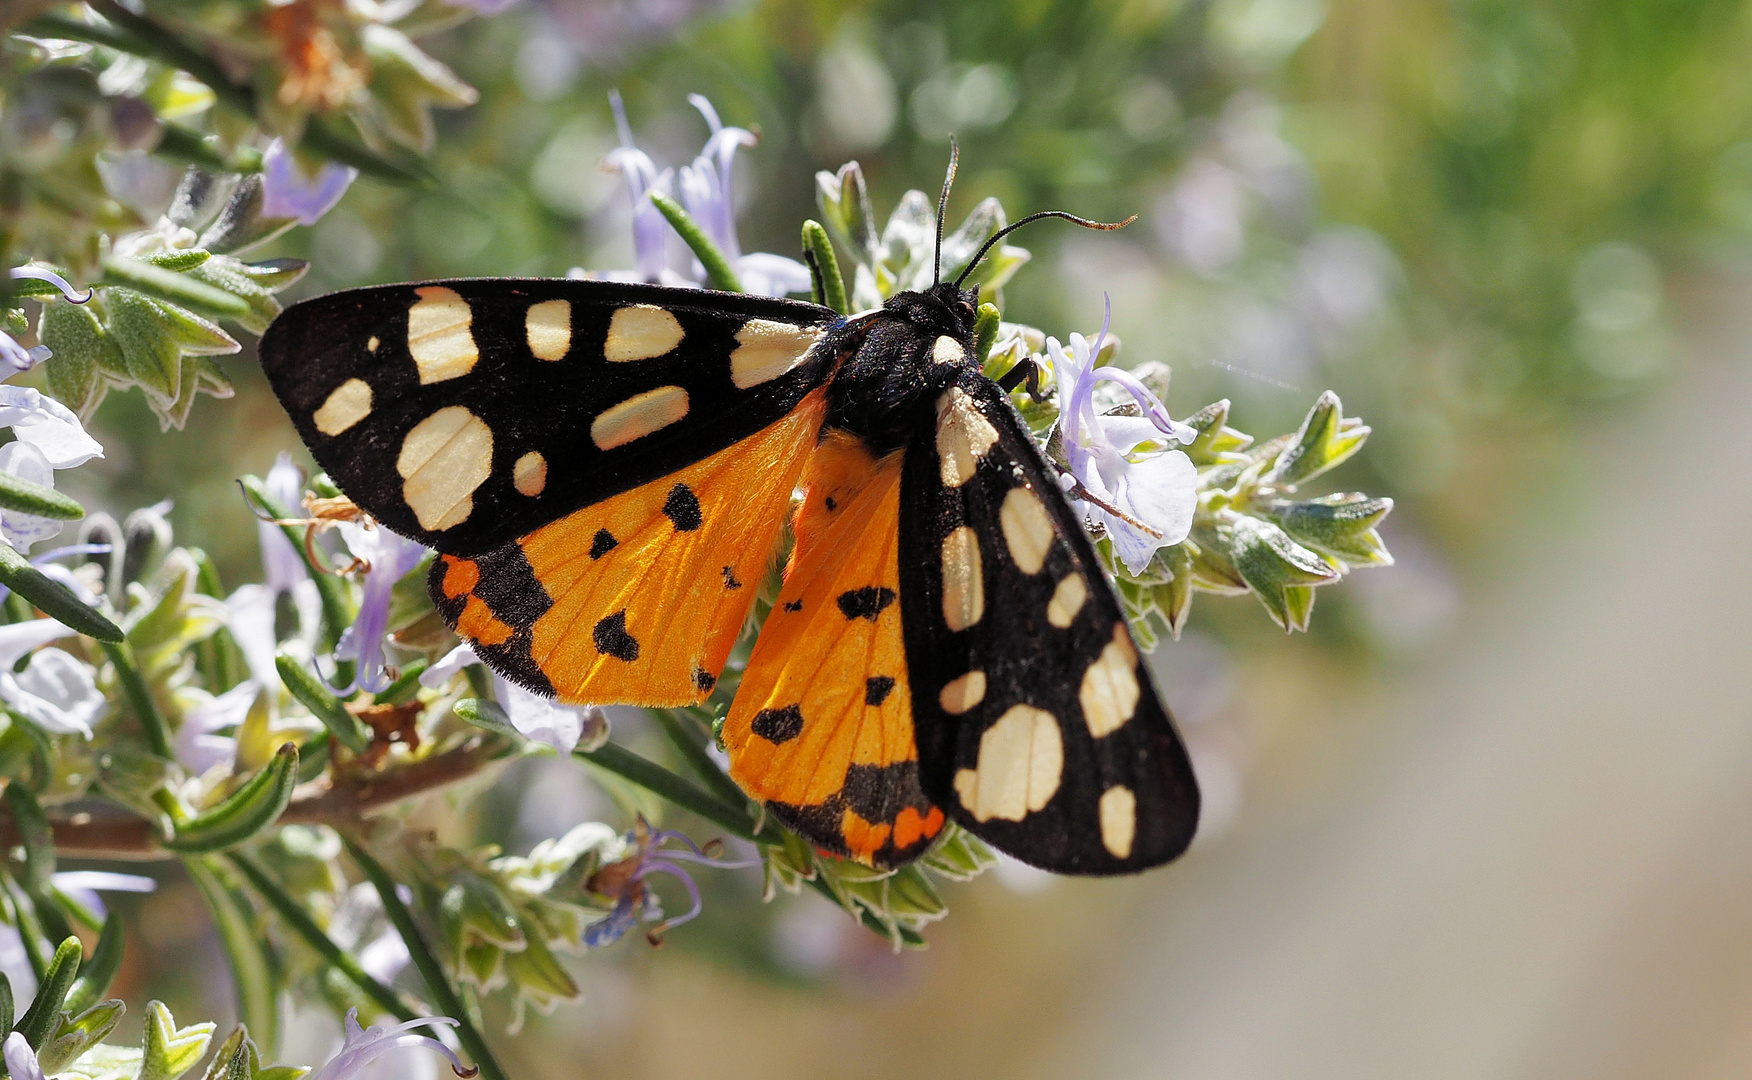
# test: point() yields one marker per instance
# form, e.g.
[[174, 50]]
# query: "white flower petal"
[[27, 463], [448, 665], [17, 639], [1162, 492], [48, 425], [21, 1060], [541, 719], [57, 691]]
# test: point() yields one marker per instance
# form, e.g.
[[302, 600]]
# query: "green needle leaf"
[[39, 1021], [28, 498], [820, 249], [99, 971], [718, 270], [53, 598], [250, 809], [167, 284], [322, 704]]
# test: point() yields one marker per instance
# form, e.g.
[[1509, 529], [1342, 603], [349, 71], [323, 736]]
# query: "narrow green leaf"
[[180, 262], [426, 962], [100, 969], [487, 715], [39, 1020], [35, 833], [719, 272], [53, 598], [6, 1004], [322, 704], [28, 498], [169, 285], [252, 972], [250, 809], [833, 286]]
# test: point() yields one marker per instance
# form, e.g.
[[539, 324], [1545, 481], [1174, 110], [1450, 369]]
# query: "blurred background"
[[1489, 819]]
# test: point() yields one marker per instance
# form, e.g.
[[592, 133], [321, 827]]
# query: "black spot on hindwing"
[[793, 605], [730, 581], [683, 508], [877, 688], [603, 543], [703, 679], [865, 603], [613, 640], [778, 725]]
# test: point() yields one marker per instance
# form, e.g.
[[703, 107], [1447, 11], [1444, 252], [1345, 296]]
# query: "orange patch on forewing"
[[668, 580], [477, 622], [460, 576], [863, 838], [910, 826], [818, 658]]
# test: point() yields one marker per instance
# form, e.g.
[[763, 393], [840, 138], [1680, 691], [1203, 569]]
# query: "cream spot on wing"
[[1119, 820], [961, 694], [1067, 600], [372, 343], [766, 349], [946, 350], [442, 461], [1027, 528], [638, 416], [439, 338], [963, 436], [1021, 760], [639, 332], [529, 475], [548, 326], [349, 404], [963, 581], [1110, 691]]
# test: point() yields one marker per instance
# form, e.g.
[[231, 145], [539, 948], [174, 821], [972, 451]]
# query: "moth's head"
[[944, 308]]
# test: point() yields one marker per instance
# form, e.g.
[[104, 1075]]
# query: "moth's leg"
[[1027, 373]]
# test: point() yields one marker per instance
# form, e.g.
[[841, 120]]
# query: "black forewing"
[[1029, 661], [529, 404]]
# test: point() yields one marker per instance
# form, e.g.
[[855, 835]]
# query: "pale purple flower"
[[21, 1060], [388, 558], [706, 190], [198, 746], [49, 437], [362, 1046], [283, 568], [540, 719], [289, 192], [1154, 489], [624, 881], [650, 229], [55, 691]]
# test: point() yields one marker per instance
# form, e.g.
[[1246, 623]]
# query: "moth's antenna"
[[943, 208], [1105, 226]]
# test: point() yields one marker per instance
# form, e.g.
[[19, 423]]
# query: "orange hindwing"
[[821, 728]]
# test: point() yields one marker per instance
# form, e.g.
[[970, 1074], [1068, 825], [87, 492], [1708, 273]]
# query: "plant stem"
[[139, 696], [689, 741], [294, 916], [660, 781], [426, 961]]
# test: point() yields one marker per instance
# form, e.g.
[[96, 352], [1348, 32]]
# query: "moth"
[[605, 470]]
